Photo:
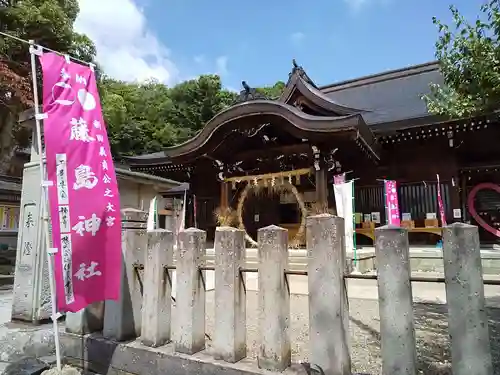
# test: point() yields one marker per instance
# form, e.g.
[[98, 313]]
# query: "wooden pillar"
[[224, 195], [322, 186], [455, 199], [463, 197], [321, 178]]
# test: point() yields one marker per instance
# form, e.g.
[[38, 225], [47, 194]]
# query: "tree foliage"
[[147, 117], [272, 92], [469, 59], [141, 117], [49, 23]]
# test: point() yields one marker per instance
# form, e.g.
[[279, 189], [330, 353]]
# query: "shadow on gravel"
[[433, 344]]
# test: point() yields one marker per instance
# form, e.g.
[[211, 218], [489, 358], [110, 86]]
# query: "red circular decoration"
[[473, 211]]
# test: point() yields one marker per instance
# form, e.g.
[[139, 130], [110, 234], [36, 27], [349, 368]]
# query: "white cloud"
[[200, 59], [297, 37], [358, 5], [355, 4], [221, 65], [126, 48]]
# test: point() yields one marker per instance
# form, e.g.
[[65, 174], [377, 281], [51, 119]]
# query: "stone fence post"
[[397, 329], [467, 319], [328, 305], [157, 304], [230, 295], [122, 318], [274, 299], [190, 297], [87, 320]]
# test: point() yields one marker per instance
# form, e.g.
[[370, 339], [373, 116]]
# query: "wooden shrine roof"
[[257, 112], [365, 108]]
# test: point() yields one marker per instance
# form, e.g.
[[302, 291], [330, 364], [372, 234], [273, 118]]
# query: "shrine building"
[[272, 160]]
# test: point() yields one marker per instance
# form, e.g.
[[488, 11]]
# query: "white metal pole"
[[43, 208]]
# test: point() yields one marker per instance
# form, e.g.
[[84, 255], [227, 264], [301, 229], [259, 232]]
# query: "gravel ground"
[[431, 330]]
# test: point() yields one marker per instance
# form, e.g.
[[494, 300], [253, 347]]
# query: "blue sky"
[[173, 40]]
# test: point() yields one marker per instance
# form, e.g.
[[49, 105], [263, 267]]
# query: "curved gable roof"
[[297, 122], [299, 82]]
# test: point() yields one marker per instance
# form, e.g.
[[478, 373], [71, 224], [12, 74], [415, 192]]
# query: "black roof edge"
[[383, 128], [384, 76]]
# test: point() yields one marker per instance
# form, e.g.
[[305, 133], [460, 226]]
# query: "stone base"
[[106, 357], [19, 340], [94, 354]]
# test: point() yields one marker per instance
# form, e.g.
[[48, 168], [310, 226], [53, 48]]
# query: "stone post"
[[230, 295], [190, 298], [328, 305], [274, 299], [397, 329], [87, 320], [467, 319], [122, 318], [157, 304], [31, 300]]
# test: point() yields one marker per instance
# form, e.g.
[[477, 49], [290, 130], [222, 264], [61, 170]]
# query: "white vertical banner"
[[182, 223], [153, 212], [343, 201]]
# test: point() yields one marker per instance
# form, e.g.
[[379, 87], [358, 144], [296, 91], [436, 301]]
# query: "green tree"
[[49, 23], [198, 100], [469, 59], [272, 92], [148, 117]]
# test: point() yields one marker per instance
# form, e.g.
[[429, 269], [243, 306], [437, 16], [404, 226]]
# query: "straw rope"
[[288, 187]]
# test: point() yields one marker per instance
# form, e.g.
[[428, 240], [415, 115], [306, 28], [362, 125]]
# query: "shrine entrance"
[[267, 161], [272, 199]]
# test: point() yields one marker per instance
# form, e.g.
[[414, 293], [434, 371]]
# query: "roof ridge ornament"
[[249, 93], [299, 70]]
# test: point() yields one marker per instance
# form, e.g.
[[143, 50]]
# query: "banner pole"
[[354, 229], [43, 212], [387, 218]]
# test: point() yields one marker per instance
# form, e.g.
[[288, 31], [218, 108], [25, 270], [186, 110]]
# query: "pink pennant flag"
[[339, 179], [84, 202], [440, 203], [391, 202]]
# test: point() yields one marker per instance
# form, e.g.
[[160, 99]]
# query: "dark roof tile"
[[391, 96]]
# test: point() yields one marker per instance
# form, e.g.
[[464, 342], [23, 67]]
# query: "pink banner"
[[84, 201], [440, 203], [339, 179], [391, 202]]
